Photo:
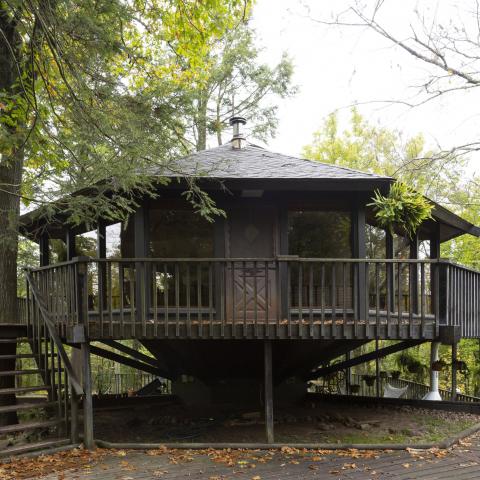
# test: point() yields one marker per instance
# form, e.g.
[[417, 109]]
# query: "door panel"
[[251, 292]]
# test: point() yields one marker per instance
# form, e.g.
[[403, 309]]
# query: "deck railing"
[[281, 297], [462, 298], [358, 386]]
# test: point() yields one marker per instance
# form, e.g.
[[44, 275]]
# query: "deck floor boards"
[[461, 462]]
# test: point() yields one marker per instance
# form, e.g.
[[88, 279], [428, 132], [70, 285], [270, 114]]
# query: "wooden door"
[[251, 293]]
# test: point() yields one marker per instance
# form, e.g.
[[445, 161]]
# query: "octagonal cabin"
[[296, 272]]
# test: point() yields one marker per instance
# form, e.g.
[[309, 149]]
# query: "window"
[[319, 234], [180, 233]]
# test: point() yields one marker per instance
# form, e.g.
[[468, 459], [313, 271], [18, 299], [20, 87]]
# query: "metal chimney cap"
[[236, 120]]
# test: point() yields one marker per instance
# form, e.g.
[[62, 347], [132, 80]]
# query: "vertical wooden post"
[[359, 251], [377, 371], [141, 251], [74, 417], [44, 251], [70, 243], [87, 399], [102, 271], [348, 375], [268, 381], [414, 242], [391, 281], [454, 372], [82, 293]]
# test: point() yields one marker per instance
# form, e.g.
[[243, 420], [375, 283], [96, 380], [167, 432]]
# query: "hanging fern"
[[402, 208]]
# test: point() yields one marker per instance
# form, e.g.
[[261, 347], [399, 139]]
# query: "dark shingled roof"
[[254, 162]]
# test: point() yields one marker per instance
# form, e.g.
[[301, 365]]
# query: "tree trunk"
[[202, 122], [11, 165]]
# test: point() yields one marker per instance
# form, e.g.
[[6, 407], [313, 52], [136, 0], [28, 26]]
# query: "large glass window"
[[179, 233], [317, 234]]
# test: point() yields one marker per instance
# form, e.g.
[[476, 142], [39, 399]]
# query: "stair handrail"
[[75, 383]]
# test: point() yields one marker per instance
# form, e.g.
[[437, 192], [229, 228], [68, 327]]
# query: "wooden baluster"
[[199, 298], [155, 299], [109, 297], [400, 296], [300, 298], [255, 299], [322, 295], [377, 299], [267, 299], [310, 298], [289, 299], [244, 296], [422, 298], [177, 300], [333, 295], [210, 298], [166, 285]]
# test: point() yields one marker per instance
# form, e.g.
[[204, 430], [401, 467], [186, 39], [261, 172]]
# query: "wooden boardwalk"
[[461, 462]]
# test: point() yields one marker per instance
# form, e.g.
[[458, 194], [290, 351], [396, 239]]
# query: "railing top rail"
[[279, 258]]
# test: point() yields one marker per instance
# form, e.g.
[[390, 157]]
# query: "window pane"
[[319, 234], [180, 233]]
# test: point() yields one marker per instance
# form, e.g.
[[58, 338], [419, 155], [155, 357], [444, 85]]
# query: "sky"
[[336, 67]]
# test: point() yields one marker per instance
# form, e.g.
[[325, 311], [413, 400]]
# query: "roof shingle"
[[254, 162]]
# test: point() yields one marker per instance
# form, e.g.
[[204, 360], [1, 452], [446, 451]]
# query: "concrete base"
[[432, 396]]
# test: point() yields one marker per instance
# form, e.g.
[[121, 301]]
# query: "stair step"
[[9, 391], [26, 406], [7, 373], [17, 357], [20, 427], [13, 340], [32, 447]]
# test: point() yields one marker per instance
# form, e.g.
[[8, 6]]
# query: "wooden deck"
[[282, 298], [461, 462]]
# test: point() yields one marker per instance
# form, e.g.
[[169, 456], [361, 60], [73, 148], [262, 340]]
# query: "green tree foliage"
[[92, 95], [373, 148], [237, 83]]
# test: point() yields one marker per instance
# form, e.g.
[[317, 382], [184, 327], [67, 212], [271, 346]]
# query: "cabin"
[[296, 272]]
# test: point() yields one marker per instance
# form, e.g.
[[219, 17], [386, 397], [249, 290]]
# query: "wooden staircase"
[[33, 410]]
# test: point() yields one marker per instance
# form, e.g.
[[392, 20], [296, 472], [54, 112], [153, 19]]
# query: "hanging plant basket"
[[383, 374], [460, 366], [438, 365], [369, 380], [395, 374], [415, 367], [354, 388]]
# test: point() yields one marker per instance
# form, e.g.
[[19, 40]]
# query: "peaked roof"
[[255, 162]]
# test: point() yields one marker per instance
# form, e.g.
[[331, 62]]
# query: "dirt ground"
[[310, 423]]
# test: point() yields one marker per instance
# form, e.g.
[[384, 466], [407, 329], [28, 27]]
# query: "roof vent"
[[238, 140]]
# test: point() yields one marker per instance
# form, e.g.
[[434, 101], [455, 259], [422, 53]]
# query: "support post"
[[74, 437], [433, 394], [268, 391], [454, 372], [44, 251], [414, 243], [390, 274], [81, 336], [377, 370], [87, 400], [359, 251], [102, 272], [70, 243], [348, 375]]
